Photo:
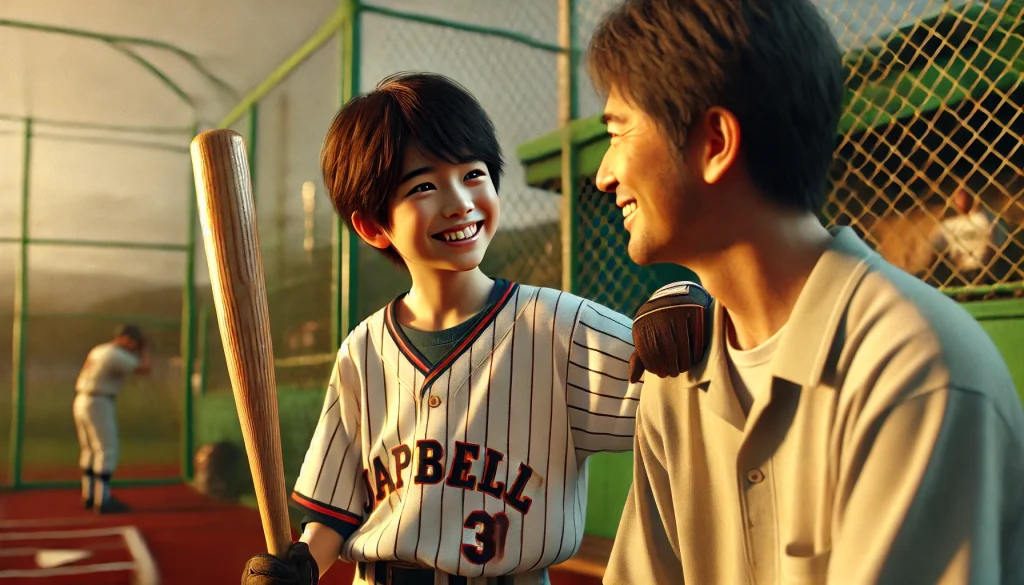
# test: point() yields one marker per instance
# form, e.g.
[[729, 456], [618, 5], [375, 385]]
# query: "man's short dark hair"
[[773, 63], [132, 332], [363, 152]]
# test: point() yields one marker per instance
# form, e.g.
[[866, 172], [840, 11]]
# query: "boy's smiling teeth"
[[628, 209], [459, 234]]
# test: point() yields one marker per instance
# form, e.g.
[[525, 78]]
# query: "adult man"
[[849, 424], [99, 383]]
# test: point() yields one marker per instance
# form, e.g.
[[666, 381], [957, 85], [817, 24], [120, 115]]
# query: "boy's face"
[[443, 216]]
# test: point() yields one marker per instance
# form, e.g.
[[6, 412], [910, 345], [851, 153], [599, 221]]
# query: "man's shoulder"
[[897, 322]]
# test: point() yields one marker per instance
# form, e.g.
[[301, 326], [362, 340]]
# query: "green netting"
[[7, 255], [12, 144], [112, 195], [12, 139], [607, 275], [295, 215], [103, 246], [517, 85], [933, 108]]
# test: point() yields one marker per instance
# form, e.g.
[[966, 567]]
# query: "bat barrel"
[[228, 219]]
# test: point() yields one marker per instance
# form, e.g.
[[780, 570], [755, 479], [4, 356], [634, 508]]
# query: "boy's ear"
[[369, 231]]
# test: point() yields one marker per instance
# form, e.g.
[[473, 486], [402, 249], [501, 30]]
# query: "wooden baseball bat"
[[227, 214]]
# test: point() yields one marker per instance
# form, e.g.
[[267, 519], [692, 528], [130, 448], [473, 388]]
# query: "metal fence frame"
[[125, 45], [22, 311], [345, 25]]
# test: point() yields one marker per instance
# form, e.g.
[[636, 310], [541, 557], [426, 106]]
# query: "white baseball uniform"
[[473, 466], [99, 383]]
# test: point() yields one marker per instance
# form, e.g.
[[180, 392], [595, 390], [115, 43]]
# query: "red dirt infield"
[[193, 539], [31, 473]]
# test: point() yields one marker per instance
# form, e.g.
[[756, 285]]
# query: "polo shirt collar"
[[810, 332], [807, 342]]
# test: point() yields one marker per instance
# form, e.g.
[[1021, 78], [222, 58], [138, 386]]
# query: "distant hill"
[[62, 292], [302, 294]]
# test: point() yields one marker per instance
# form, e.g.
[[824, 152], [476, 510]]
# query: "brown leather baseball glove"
[[670, 331], [298, 568]]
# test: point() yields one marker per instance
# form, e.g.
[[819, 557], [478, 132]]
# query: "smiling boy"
[[452, 443]]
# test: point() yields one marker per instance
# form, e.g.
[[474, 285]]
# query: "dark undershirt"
[[434, 345]]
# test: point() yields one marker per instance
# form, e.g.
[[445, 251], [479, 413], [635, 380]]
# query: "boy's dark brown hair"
[[362, 152], [773, 63]]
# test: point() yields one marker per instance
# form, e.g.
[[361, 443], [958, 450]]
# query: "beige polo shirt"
[[889, 449]]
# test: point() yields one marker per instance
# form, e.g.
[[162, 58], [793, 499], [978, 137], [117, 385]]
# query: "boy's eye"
[[474, 174], [421, 188]]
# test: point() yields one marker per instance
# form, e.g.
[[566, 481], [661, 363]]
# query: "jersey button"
[[434, 401], [755, 476]]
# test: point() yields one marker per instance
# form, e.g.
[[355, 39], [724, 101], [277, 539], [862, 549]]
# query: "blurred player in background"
[[99, 383], [850, 424]]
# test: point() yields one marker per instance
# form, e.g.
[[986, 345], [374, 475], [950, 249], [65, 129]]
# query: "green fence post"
[[20, 330], [345, 245], [204, 346], [567, 112], [254, 113], [188, 320]]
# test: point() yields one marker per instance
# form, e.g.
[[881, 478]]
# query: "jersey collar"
[[410, 352]]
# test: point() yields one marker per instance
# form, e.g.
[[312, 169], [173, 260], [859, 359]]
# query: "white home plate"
[[50, 558]]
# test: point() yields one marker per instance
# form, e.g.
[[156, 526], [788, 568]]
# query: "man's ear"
[[369, 231], [721, 144]]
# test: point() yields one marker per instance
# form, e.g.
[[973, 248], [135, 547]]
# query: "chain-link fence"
[[929, 168], [504, 53], [86, 248], [932, 111], [932, 107]]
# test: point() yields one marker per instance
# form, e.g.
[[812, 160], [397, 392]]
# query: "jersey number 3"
[[491, 532]]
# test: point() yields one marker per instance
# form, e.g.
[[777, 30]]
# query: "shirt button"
[[434, 401], [755, 476]]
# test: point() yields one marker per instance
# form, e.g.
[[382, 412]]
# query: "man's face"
[[443, 216], [650, 182]]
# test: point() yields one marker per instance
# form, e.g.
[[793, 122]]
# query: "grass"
[[149, 419]]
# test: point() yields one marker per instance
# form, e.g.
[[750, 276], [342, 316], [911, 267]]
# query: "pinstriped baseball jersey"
[[475, 465]]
